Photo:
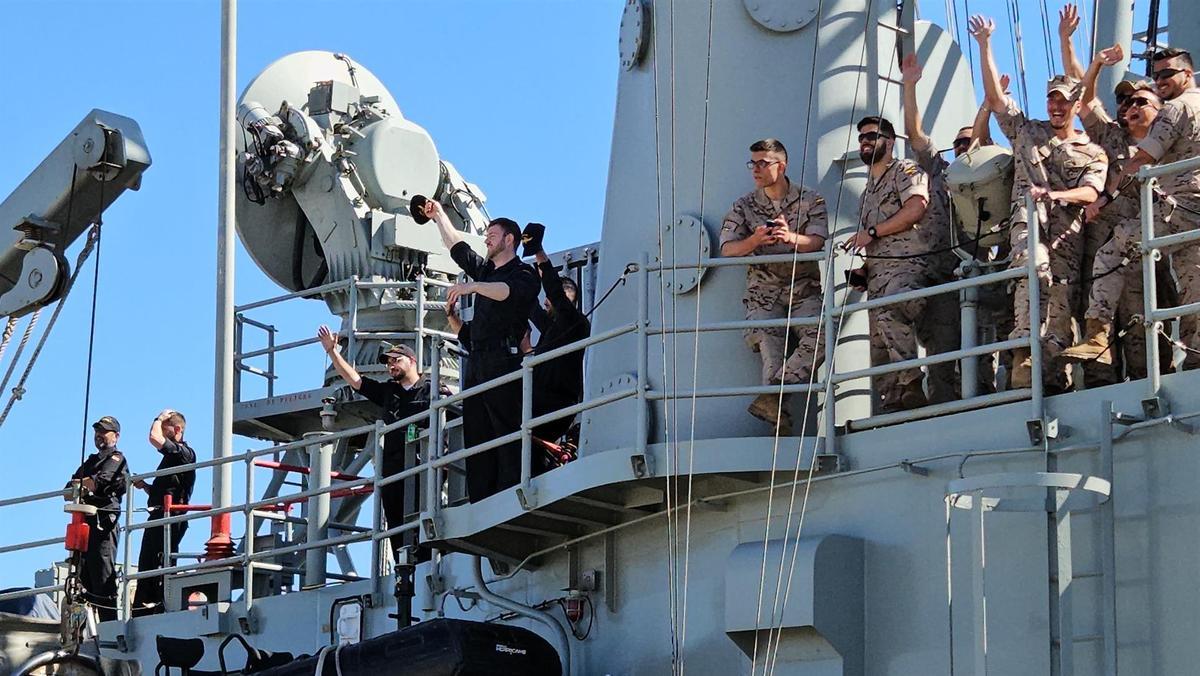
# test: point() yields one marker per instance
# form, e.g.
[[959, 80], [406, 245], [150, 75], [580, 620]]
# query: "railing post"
[[1149, 288], [247, 562], [432, 492], [525, 495], [642, 429], [377, 509], [419, 348], [271, 360], [238, 328], [352, 317], [969, 331], [320, 460], [829, 329], [1032, 245], [125, 600]]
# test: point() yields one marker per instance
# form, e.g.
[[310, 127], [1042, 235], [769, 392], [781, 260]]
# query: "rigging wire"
[[773, 653], [658, 206], [687, 538], [87, 390]]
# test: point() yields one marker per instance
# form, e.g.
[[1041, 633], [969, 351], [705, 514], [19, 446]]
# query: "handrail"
[[437, 460]]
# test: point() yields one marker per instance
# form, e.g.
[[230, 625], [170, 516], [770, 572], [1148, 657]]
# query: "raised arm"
[[343, 367], [993, 93], [1068, 21], [450, 235], [157, 438], [1107, 57], [910, 74]]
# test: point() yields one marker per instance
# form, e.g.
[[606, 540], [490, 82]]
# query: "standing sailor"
[[939, 326], [504, 289], [101, 483], [893, 205], [778, 217], [166, 436], [1063, 171], [1175, 136], [557, 383]]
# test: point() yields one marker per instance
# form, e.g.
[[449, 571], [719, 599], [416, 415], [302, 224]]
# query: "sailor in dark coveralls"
[[404, 395], [504, 288], [557, 383], [101, 478], [166, 435]]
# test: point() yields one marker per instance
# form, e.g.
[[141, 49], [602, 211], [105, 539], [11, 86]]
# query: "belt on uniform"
[[494, 346]]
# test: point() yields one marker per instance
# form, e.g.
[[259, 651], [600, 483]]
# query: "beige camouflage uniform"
[[770, 287], [894, 327], [1044, 160], [1174, 136], [939, 328], [1115, 294]]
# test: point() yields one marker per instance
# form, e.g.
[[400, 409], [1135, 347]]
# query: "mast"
[[220, 544], [1114, 23]]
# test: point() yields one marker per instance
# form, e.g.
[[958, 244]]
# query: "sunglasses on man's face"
[[1166, 73], [962, 142], [760, 164], [871, 136], [1139, 102]]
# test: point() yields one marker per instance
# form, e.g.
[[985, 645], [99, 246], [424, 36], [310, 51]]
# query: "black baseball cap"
[[108, 424], [416, 209]]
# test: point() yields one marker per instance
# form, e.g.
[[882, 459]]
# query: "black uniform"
[[495, 333], [179, 487], [99, 574], [398, 403], [557, 383]]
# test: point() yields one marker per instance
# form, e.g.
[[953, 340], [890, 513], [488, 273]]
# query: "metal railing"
[[435, 462]]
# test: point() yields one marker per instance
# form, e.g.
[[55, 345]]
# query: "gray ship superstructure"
[[1004, 533]]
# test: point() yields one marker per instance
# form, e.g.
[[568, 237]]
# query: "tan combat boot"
[[768, 408], [1022, 369], [1095, 346]]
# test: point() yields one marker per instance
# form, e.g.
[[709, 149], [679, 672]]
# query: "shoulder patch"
[[910, 169]]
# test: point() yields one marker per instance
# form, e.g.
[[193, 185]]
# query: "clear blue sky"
[[522, 100]]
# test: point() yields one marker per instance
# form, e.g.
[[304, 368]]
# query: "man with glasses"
[[1063, 171], [100, 482], [406, 393], [778, 217], [891, 238], [1175, 136]]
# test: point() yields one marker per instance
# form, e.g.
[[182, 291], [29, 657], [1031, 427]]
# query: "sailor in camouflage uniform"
[[1175, 136], [1115, 293], [1063, 171], [939, 326], [894, 245], [779, 217]]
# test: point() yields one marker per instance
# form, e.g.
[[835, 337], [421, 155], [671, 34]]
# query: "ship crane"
[[102, 157]]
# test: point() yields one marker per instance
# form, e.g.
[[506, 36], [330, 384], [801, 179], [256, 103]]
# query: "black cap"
[[108, 424], [416, 208]]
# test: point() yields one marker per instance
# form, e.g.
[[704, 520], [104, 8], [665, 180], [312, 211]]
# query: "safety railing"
[[1151, 250], [435, 463], [351, 288]]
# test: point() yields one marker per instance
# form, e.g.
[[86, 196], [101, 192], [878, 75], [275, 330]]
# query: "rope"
[[12, 366], [87, 389], [19, 390], [9, 329], [687, 538], [662, 337]]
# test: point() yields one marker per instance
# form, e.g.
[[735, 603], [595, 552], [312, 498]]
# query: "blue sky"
[[518, 95]]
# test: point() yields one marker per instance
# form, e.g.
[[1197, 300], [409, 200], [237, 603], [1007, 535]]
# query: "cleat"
[[1095, 346], [767, 408]]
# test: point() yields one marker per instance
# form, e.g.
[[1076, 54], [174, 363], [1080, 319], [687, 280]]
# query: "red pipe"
[[270, 464]]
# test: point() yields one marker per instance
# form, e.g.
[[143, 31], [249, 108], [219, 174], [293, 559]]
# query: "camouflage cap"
[[1067, 86], [1127, 87]]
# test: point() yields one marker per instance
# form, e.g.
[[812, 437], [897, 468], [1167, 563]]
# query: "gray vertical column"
[[320, 461], [1183, 25], [223, 386], [1114, 24]]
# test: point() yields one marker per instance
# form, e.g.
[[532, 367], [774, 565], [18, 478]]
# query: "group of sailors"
[[1088, 258]]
